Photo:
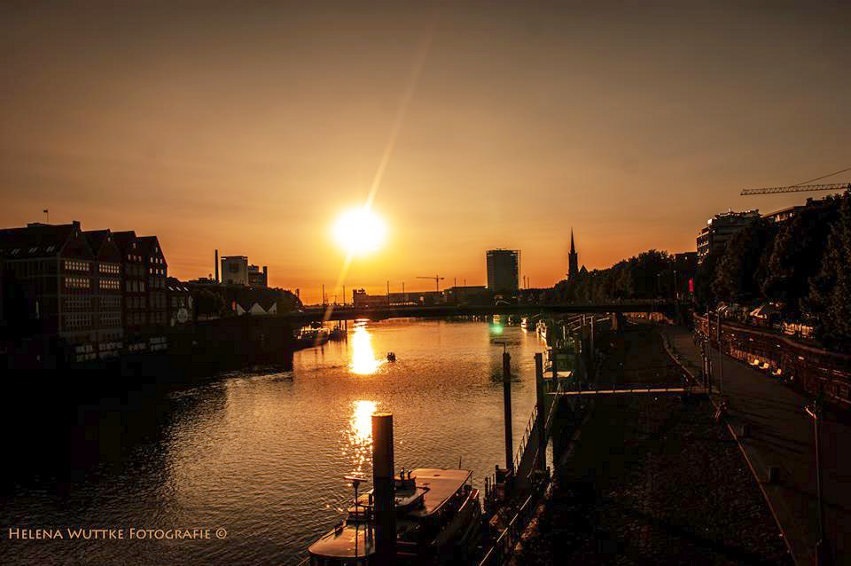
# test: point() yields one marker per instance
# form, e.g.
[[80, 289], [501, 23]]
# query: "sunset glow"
[[473, 129]]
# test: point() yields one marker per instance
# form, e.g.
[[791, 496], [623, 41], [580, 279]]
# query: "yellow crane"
[[797, 189], [437, 279]]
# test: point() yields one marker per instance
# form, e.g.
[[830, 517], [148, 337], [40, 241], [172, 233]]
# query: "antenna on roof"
[[47, 215]]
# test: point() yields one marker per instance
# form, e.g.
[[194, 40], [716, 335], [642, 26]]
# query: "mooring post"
[[539, 392], [506, 403], [383, 488], [592, 341]]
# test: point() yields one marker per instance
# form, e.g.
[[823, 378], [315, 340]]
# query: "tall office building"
[[503, 270]]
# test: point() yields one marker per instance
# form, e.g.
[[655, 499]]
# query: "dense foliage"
[[649, 275], [801, 264]]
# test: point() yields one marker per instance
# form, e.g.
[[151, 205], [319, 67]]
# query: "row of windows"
[[136, 318], [136, 302], [158, 318], [110, 319], [73, 321], [110, 302], [156, 270], [77, 283], [113, 284], [158, 301], [158, 260], [109, 268], [155, 282], [134, 270], [78, 303], [134, 286], [76, 265], [136, 258]]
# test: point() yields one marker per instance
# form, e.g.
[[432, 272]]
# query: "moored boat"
[[438, 521]]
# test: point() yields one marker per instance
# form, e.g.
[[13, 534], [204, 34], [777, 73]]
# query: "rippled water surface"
[[263, 456]]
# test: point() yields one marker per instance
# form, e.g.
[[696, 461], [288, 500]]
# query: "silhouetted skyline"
[[250, 128]]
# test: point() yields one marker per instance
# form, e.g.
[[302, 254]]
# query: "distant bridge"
[[442, 311]]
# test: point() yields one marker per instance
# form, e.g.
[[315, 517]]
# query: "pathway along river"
[[259, 460]]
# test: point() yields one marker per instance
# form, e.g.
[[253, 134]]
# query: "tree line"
[[803, 265]]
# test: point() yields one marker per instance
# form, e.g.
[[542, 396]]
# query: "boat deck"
[[441, 484]]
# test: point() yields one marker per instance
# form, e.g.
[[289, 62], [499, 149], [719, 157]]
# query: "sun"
[[359, 231]]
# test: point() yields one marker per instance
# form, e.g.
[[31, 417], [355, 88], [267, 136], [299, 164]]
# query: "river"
[[256, 462]]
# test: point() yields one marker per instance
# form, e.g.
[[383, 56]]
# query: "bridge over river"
[[348, 312]]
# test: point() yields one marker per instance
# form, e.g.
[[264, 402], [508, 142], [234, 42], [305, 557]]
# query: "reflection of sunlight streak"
[[362, 421], [358, 442], [363, 356]]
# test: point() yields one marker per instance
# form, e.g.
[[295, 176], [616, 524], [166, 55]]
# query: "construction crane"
[[797, 189], [437, 280]]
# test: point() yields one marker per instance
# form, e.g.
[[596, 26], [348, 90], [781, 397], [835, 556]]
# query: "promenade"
[[778, 432]]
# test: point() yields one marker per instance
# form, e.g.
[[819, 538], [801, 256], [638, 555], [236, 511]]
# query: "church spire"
[[572, 259]]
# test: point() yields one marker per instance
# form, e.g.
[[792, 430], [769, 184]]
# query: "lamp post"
[[814, 410]]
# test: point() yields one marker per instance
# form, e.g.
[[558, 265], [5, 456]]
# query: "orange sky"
[[249, 128]]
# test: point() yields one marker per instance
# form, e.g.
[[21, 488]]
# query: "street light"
[[814, 410]]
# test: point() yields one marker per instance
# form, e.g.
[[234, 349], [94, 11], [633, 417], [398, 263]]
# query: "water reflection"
[[359, 437], [363, 356], [362, 421]]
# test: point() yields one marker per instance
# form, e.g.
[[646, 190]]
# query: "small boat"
[[438, 521], [309, 337], [391, 357]]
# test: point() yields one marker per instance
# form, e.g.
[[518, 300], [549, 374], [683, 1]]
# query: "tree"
[[743, 264], [830, 291], [797, 253]]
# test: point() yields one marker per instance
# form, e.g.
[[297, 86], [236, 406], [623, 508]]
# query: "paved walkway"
[[779, 433]]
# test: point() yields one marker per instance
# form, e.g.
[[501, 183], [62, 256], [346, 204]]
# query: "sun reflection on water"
[[359, 435], [363, 360]]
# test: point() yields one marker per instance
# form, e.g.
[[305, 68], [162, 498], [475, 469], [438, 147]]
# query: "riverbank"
[[653, 480]]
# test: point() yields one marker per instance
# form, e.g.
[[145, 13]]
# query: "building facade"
[[108, 303], [258, 277], [66, 288], [235, 270], [503, 270], [720, 228]]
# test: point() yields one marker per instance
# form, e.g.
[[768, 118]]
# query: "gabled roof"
[[151, 246], [35, 240], [124, 240], [96, 238]]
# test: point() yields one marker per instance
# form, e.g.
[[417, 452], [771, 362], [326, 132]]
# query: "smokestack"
[[217, 266], [383, 488]]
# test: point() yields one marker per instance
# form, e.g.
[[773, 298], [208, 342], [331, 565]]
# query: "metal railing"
[[504, 545], [524, 441]]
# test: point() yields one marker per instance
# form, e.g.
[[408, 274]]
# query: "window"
[[76, 265], [76, 283]]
